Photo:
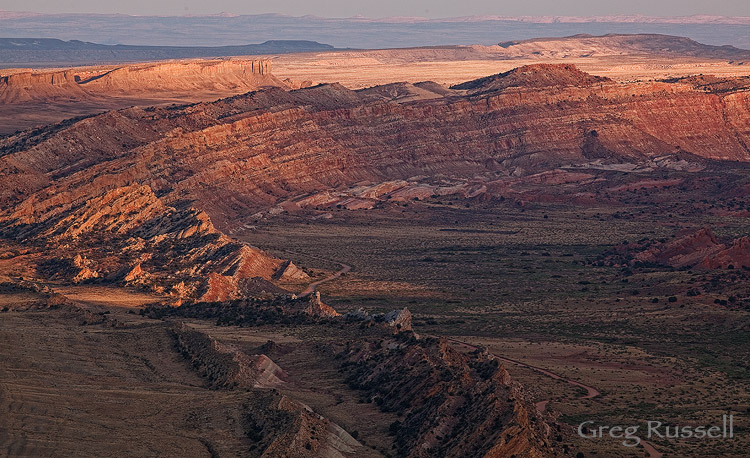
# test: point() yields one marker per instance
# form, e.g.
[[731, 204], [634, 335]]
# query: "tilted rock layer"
[[236, 156], [136, 187], [698, 249], [452, 404], [277, 425]]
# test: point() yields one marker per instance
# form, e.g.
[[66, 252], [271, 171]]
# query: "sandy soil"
[[364, 71], [102, 296], [94, 392]]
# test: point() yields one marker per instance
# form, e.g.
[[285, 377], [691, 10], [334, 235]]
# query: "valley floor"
[[519, 281]]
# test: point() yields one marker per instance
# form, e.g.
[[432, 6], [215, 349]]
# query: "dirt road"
[[591, 392], [312, 286], [541, 406]]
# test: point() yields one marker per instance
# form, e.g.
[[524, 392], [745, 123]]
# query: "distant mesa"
[[138, 81], [359, 32], [27, 86], [47, 52], [652, 44]]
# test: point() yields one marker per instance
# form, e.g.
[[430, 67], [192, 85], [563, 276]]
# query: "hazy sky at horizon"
[[384, 8]]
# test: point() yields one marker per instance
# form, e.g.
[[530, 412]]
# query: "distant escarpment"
[[616, 44], [27, 86], [136, 80], [50, 52], [31, 99], [180, 76]]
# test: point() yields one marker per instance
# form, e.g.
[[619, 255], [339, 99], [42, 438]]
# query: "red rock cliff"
[[235, 156]]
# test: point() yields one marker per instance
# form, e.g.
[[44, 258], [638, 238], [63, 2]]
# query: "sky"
[[388, 8]]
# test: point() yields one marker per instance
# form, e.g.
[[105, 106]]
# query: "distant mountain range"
[[697, 19], [50, 52], [358, 32]]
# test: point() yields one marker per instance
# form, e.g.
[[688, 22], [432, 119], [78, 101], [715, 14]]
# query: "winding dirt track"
[[312, 286], [651, 450], [541, 406], [591, 392]]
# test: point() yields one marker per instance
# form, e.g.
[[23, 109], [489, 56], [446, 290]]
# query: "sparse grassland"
[[526, 282]]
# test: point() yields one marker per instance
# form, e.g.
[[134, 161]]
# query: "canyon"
[[259, 262], [156, 180]]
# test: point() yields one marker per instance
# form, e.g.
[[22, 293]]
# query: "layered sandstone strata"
[[236, 156], [136, 80]]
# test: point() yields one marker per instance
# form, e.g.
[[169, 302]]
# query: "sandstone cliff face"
[[30, 87], [183, 76], [236, 156], [137, 79]]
